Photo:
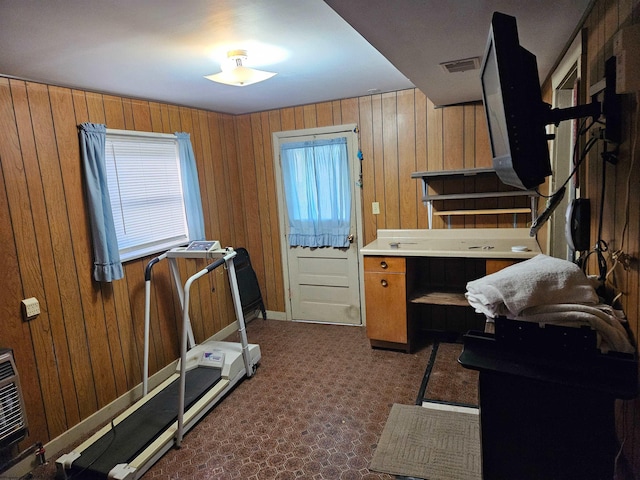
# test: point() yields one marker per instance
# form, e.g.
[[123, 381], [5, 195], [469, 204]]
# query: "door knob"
[[350, 238], [384, 283]]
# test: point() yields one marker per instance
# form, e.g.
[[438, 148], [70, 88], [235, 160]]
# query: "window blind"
[[143, 172]]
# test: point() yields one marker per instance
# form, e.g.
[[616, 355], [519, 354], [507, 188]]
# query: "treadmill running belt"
[[133, 434]]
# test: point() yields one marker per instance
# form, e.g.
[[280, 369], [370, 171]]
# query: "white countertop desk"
[[416, 279], [459, 242]]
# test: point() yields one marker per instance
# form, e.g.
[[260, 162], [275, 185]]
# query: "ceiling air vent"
[[456, 66]]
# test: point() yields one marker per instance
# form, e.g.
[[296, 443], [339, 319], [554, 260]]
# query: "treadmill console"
[[203, 246], [198, 249]]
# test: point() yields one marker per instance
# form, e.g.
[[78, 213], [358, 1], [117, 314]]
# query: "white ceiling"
[[161, 49]]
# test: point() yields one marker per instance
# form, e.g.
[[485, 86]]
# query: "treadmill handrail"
[[147, 308], [183, 337]]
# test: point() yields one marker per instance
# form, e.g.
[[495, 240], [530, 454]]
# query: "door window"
[[317, 192]]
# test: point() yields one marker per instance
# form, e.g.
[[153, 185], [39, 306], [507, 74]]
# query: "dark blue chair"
[[250, 295]]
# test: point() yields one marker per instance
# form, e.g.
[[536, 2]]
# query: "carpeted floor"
[[315, 409]]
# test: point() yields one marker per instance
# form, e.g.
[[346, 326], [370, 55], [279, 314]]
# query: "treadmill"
[[134, 440]]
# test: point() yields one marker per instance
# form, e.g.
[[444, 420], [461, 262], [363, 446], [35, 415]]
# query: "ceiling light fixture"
[[235, 73]]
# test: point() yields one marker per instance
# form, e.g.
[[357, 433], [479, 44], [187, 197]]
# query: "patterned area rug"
[[431, 444]]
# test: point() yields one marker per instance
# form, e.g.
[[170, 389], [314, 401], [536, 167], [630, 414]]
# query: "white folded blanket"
[[607, 322], [541, 280]]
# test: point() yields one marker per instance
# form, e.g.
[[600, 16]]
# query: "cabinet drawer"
[[384, 264], [495, 265], [386, 303]]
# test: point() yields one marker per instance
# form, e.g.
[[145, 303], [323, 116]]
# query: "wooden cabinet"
[[406, 294], [385, 291], [494, 265], [436, 296]]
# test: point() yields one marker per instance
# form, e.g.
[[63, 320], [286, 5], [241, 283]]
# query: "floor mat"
[[427, 443]]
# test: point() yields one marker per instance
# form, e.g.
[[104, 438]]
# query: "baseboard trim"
[[275, 315]]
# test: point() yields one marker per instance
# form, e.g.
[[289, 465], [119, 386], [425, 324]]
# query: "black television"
[[514, 108]]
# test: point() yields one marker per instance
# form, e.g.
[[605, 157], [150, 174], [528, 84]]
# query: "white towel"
[[607, 322], [541, 280]]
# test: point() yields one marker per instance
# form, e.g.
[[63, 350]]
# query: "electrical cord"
[[588, 146], [104, 450], [616, 255], [634, 144], [619, 253], [555, 199], [600, 246]]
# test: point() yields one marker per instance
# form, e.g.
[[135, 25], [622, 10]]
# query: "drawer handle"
[[383, 264], [384, 283]]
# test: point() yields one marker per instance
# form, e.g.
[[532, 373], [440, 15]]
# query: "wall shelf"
[[439, 297], [429, 198]]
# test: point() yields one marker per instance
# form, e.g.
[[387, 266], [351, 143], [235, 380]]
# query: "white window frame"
[[118, 179]]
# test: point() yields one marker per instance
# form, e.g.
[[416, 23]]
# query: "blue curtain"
[[317, 192], [106, 265], [190, 187]]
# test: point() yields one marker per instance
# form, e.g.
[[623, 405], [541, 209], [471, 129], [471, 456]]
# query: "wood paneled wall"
[[84, 350], [621, 222], [399, 133]]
